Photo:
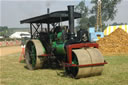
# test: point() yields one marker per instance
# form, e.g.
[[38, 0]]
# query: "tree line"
[[108, 12], [4, 31]]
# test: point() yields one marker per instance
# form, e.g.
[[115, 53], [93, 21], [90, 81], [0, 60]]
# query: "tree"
[[92, 21], [83, 9], [108, 12], [115, 23], [108, 9], [3, 31]]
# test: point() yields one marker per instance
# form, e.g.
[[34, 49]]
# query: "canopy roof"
[[53, 17]]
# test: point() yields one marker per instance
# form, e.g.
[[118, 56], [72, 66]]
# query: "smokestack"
[[48, 11], [71, 20]]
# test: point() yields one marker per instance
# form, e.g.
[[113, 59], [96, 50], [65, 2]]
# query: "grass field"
[[13, 73]]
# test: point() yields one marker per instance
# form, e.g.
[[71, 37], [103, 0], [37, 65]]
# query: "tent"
[[20, 35], [110, 29]]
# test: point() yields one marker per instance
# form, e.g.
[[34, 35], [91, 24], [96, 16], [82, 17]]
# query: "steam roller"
[[73, 51]]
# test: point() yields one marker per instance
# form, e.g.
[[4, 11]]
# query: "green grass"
[[13, 73]]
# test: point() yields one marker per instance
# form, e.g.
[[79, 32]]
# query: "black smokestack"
[[71, 20], [48, 11], [48, 25]]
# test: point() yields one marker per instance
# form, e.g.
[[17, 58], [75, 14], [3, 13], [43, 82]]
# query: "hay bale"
[[115, 43]]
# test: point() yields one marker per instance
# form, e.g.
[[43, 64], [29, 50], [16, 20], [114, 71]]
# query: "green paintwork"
[[58, 44], [44, 51], [59, 48], [33, 56], [74, 70], [59, 35]]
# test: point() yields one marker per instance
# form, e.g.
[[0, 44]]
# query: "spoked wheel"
[[33, 51]]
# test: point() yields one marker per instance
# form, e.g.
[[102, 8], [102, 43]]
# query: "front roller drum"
[[33, 50], [86, 56]]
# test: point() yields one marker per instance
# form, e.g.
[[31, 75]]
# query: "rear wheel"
[[30, 56], [33, 51]]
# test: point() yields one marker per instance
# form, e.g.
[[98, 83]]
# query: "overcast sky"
[[122, 13], [12, 11]]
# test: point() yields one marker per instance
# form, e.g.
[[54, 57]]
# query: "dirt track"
[[9, 50]]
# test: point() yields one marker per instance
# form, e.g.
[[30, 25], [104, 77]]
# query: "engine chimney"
[[48, 11], [71, 20]]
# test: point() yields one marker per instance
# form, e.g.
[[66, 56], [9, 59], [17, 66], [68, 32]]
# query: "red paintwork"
[[69, 54], [70, 47], [45, 55], [74, 65]]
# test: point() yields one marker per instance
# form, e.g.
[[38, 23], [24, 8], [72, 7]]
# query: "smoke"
[[48, 3]]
